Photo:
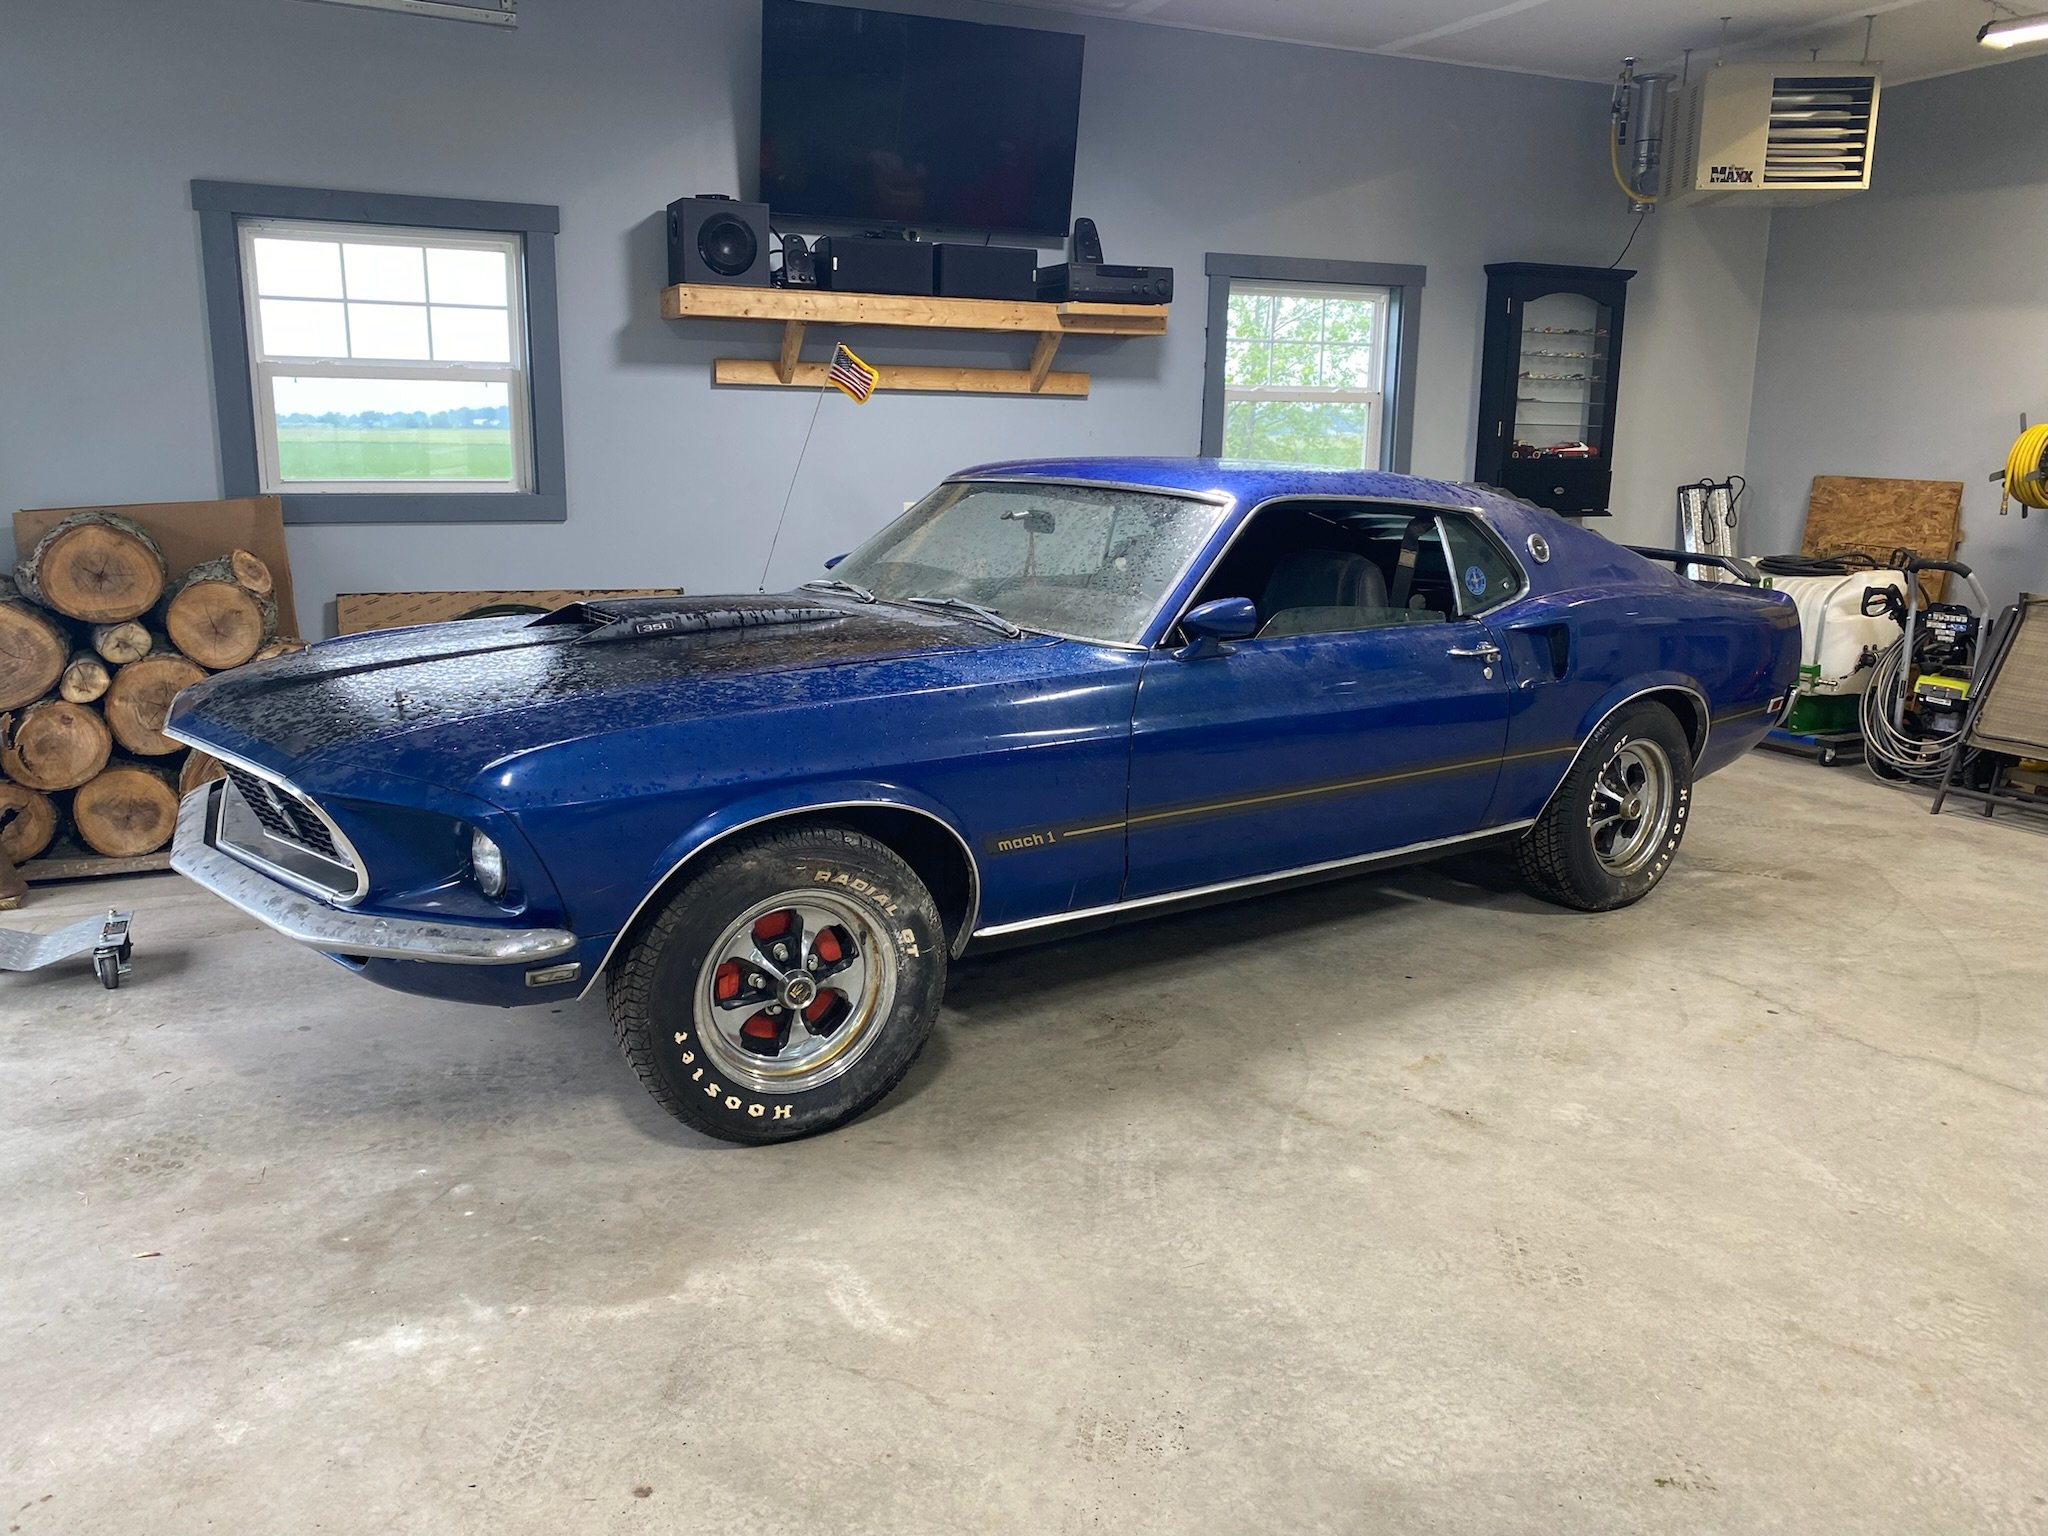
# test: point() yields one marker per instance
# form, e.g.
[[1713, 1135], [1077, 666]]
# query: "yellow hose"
[[1621, 181], [2026, 470]]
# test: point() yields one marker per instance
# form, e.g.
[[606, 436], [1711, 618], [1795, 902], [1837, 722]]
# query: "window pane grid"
[[386, 359], [1302, 371]]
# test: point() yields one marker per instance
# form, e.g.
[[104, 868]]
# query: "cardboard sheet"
[[191, 532]]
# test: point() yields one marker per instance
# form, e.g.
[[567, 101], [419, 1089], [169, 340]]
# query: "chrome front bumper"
[[336, 931]]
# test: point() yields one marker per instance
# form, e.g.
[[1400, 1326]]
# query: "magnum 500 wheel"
[[785, 989], [1614, 825]]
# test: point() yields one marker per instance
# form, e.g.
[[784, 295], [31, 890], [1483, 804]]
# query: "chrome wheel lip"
[[1633, 794], [806, 1061]]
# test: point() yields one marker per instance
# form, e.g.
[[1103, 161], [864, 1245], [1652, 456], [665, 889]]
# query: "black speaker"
[[865, 264], [798, 269], [715, 239], [985, 272]]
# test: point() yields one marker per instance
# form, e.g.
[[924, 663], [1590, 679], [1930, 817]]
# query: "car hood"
[[442, 702]]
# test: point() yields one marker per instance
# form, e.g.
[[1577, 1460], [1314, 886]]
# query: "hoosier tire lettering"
[[696, 1060], [1612, 829]]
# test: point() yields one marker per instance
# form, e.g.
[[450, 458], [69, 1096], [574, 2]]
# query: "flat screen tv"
[[877, 118]]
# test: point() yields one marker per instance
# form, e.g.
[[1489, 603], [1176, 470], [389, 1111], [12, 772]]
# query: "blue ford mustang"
[[1050, 694]]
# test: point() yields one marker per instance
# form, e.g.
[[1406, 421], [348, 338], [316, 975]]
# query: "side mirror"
[[1210, 625], [835, 560]]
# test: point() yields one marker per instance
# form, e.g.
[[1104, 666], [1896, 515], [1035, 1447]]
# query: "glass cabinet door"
[[1561, 390]]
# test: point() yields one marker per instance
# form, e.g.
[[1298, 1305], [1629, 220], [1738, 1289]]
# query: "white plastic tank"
[[1838, 641]]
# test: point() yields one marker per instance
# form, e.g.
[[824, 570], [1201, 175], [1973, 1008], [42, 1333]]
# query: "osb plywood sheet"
[[355, 612], [2014, 716], [190, 532], [1877, 516]]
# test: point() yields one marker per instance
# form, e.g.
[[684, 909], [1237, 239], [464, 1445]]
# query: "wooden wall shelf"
[[795, 309]]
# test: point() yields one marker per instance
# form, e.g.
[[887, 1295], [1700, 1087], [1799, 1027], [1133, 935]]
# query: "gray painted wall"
[[610, 108], [1903, 328]]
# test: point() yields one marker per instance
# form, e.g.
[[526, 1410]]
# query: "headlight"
[[486, 864]]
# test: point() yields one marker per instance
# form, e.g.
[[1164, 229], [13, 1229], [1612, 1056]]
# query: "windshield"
[[1083, 560]]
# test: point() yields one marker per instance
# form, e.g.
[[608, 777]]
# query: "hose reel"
[[2025, 476]]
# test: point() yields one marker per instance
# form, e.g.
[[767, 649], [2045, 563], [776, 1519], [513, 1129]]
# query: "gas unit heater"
[[1767, 134]]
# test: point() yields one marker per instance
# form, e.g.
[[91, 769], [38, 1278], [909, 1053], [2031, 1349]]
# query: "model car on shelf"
[[1050, 695]]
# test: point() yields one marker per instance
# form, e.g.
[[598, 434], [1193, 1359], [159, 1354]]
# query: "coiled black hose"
[[1816, 565]]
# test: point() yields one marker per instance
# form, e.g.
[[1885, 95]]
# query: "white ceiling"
[[1586, 39]]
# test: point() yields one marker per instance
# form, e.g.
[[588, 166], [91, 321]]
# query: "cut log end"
[[121, 643], [216, 620], [250, 571], [33, 652], [96, 566], [28, 821], [199, 768], [138, 701], [54, 745], [127, 810], [85, 678]]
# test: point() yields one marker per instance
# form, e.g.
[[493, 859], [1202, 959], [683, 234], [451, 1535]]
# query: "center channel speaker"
[[715, 239]]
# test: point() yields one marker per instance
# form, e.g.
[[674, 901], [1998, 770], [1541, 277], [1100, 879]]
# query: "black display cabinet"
[[1550, 369]]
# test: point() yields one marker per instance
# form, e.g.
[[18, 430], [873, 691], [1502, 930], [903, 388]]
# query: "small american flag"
[[850, 375]]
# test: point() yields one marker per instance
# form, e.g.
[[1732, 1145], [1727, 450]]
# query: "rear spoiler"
[[1740, 569]]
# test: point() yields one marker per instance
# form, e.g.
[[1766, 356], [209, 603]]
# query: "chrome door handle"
[[1485, 651]]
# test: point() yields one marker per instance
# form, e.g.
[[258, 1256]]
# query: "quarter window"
[[1482, 575]]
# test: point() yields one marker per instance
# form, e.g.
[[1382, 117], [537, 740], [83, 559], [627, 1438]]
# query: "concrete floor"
[[1407, 1204]]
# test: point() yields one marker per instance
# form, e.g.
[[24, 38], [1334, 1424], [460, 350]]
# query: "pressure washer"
[[1885, 672]]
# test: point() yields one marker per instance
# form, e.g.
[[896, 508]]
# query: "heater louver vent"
[[1820, 129], [1765, 134]]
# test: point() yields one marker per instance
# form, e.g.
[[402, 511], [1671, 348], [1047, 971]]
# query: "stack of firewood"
[[96, 639]]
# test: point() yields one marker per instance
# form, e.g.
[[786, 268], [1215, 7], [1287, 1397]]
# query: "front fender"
[[737, 816], [786, 800]]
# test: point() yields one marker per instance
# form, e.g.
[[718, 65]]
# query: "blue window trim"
[[1397, 439], [220, 204]]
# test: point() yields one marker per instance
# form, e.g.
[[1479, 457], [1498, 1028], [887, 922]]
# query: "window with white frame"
[[386, 359], [1306, 373]]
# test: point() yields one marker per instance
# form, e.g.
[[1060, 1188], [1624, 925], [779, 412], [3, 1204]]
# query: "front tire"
[[1614, 825], [786, 989]]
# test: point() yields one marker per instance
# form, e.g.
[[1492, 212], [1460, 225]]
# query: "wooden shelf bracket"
[[797, 309]]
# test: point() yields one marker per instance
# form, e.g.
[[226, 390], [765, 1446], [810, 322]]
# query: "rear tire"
[[1614, 825], [786, 989]]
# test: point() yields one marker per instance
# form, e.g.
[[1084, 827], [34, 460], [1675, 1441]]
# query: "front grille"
[[278, 830], [284, 815]]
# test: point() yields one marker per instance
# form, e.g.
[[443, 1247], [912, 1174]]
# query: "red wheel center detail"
[[772, 925], [760, 1027], [827, 948], [725, 986], [820, 1006]]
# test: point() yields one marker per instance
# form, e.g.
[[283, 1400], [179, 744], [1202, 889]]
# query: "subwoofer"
[[714, 239]]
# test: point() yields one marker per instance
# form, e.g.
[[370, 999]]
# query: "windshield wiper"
[[853, 590], [976, 611]]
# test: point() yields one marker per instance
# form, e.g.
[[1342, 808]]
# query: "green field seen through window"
[[394, 453]]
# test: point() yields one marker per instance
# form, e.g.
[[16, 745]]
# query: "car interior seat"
[[1323, 578], [1329, 591]]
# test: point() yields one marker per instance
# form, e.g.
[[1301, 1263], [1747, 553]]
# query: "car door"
[[1297, 750]]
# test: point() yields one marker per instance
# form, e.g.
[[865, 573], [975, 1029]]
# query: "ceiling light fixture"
[[2014, 32]]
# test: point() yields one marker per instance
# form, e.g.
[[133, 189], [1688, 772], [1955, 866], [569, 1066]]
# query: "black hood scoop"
[[612, 623]]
